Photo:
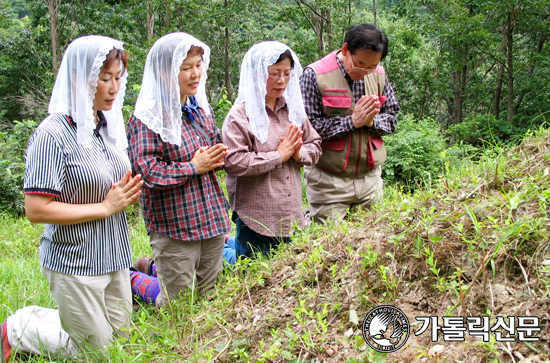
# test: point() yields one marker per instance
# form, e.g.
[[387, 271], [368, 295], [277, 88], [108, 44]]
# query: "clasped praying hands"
[[123, 193], [365, 110], [291, 143], [209, 158]]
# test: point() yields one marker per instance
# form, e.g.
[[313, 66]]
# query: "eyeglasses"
[[362, 70], [277, 76]]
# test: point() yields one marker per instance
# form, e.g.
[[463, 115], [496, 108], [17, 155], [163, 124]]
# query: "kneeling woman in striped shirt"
[[78, 183]]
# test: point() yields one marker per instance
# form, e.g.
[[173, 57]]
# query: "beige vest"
[[348, 156]]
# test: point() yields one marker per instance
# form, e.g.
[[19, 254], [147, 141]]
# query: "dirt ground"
[[489, 235]]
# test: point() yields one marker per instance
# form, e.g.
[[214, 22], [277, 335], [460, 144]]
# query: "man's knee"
[[322, 213]]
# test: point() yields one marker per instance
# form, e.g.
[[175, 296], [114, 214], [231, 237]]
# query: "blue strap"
[[191, 119], [190, 108]]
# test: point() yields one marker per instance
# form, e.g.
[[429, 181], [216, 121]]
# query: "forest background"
[[466, 72], [463, 230]]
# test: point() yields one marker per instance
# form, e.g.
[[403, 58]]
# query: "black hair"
[[367, 36], [284, 55]]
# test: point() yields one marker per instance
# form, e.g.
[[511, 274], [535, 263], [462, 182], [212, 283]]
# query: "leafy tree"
[[487, 53]]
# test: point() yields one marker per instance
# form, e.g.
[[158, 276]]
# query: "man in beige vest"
[[351, 104]]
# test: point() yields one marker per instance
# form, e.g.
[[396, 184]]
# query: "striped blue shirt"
[[56, 165]]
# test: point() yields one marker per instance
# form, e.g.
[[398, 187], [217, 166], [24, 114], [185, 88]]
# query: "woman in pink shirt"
[[269, 138]]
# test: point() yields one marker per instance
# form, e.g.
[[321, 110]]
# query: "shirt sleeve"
[[326, 127], [44, 165], [145, 149], [242, 159], [386, 121], [311, 148]]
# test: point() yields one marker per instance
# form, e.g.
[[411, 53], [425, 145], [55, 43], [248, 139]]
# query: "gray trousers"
[[182, 265], [331, 196]]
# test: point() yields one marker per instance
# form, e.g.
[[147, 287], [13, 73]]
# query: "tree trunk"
[[168, 15], [500, 75], [459, 79], [226, 57], [374, 11], [510, 65], [450, 112], [319, 32], [316, 21], [150, 20], [54, 23], [330, 37], [227, 67]]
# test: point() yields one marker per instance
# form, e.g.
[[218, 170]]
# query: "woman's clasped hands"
[[123, 193], [209, 158], [291, 143]]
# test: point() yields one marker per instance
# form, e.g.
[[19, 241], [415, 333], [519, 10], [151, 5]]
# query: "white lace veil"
[[76, 84], [159, 103], [253, 82]]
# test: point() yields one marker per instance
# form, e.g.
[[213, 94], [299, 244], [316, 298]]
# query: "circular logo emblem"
[[386, 329]]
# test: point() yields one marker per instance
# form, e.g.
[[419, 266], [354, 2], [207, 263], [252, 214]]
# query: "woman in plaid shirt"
[[269, 138], [176, 147]]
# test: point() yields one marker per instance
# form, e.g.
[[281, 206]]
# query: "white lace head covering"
[[159, 103], [76, 85], [253, 83]]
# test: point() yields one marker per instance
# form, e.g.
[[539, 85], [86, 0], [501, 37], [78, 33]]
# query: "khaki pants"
[[92, 308], [182, 264], [331, 196], [34, 329]]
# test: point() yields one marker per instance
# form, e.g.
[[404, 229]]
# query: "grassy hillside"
[[473, 243]]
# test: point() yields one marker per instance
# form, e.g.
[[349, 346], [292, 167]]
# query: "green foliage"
[[321, 285], [444, 56], [25, 81], [410, 66], [477, 129], [18, 8], [414, 152], [222, 108], [475, 67], [12, 166]]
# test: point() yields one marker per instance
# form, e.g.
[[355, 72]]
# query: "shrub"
[[414, 152], [13, 144], [478, 128]]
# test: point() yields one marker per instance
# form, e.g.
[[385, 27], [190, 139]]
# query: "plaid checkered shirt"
[[330, 127], [264, 191], [177, 201]]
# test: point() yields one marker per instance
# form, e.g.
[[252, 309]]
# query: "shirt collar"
[[102, 121], [70, 120], [342, 68], [280, 103]]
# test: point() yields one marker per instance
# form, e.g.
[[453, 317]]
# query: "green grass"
[[483, 223]]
